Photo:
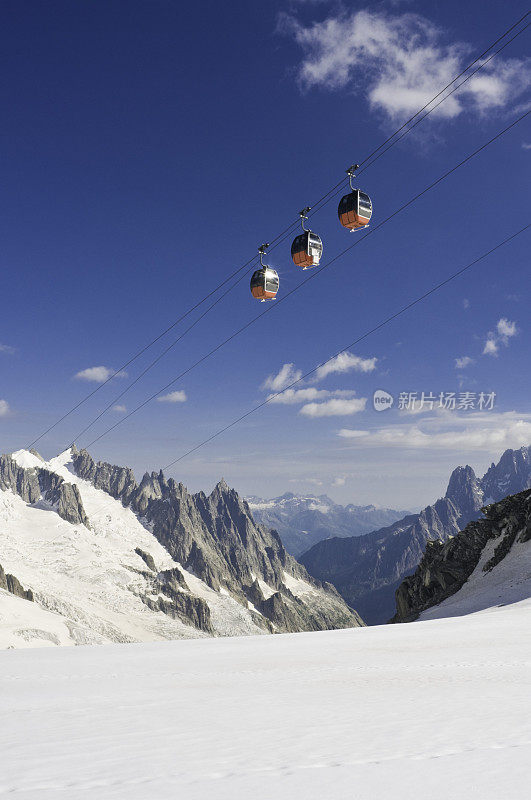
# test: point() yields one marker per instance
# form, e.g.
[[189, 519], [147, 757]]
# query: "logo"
[[382, 400]]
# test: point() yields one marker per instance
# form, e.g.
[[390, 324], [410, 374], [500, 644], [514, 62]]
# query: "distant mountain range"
[[90, 556], [368, 569], [304, 520]]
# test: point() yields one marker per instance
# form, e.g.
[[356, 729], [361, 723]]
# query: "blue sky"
[[150, 147]]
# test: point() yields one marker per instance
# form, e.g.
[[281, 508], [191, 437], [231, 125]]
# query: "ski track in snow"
[[437, 709]]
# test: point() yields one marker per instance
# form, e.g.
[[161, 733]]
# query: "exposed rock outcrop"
[[11, 584], [445, 567], [21, 481]]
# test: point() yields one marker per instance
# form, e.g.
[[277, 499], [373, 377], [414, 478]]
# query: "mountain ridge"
[[110, 559], [304, 520]]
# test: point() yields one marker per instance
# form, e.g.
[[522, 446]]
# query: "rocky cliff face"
[[215, 538], [446, 567], [367, 570]]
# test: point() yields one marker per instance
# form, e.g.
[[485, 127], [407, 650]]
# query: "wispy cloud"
[[339, 480], [5, 410], [7, 349], [483, 432], [98, 374], [400, 61], [345, 362], [505, 330], [284, 377], [463, 362], [336, 407], [526, 145], [119, 409], [295, 396], [173, 397]]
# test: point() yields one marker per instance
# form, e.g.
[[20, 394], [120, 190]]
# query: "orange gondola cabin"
[[306, 250], [264, 284], [355, 210]]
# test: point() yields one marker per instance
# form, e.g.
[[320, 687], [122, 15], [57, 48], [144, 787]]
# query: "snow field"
[[437, 709]]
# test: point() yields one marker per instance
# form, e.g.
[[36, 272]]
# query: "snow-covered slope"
[[508, 582], [436, 710], [98, 573]]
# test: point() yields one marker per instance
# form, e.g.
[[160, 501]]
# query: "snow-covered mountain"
[[367, 570], [304, 520], [487, 564], [89, 556]]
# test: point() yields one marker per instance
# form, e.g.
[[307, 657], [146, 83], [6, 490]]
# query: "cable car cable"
[[313, 275], [281, 236], [154, 362], [503, 35], [365, 335], [493, 55]]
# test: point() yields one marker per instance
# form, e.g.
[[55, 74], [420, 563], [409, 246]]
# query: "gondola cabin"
[[264, 284], [307, 249], [355, 210]]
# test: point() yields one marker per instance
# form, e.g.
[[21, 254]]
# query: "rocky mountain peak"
[[220, 489], [464, 491], [509, 475]]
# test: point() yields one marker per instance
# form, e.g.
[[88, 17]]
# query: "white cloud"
[[483, 432], [310, 481], [339, 480], [5, 411], [526, 145], [294, 396], [400, 61], [119, 409], [463, 361], [98, 374], [505, 330], [466, 303], [5, 348], [345, 362], [285, 377], [335, 407], [173, 397], [491, 347]]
